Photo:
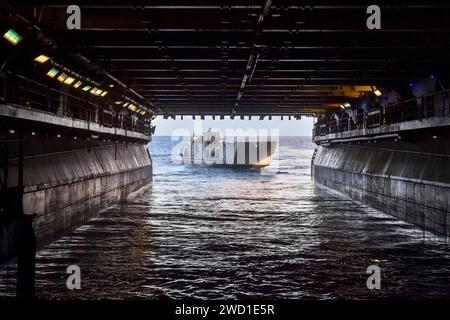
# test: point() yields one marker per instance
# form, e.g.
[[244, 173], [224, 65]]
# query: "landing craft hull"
[[242, 154]]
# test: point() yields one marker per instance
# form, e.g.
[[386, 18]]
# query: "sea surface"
[[219, 233]]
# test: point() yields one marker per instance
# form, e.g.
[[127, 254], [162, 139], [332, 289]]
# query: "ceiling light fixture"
[[62, 77], [42, 58], [52, 73], [13, 37], [69, 81]]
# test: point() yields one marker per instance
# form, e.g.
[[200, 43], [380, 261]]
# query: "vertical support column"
[[3, 86], [421, 108], [5, 160], [48, 101], [443, 103], [96, 119], [402, 112], [20, 186], [115, 149], [365, 120]]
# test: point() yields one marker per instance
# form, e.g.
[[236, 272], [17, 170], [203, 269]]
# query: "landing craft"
[[213, 149]]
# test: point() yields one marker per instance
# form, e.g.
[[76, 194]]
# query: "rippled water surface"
[[204, 232]]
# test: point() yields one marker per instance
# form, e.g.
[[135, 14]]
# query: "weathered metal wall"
[[410, 185], [64, 189]]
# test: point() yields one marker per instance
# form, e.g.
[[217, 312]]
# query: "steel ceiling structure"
[[254, 57]]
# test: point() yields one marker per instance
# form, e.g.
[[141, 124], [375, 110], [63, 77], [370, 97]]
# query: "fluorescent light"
[[341, 106], [118, 102], [86, 88], [52, 73], [77, 85], [111, 86], [96, 92], [347, 105], [126, 104], [42, 58], [377, 93], [13, 37], [62, 77], [69, 81], [104, 93]]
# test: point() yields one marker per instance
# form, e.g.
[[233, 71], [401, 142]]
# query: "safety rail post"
[[402, 110], [443, 103], [379, 116], [421, 108], [365, 120], [448, 102]]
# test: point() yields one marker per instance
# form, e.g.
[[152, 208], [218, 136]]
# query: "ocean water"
[[219, 233]]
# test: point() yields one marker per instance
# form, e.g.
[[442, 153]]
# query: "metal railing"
[[20, 91], [430, 105]]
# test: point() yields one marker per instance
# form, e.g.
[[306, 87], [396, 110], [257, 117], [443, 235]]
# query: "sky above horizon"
[[185, 127]]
